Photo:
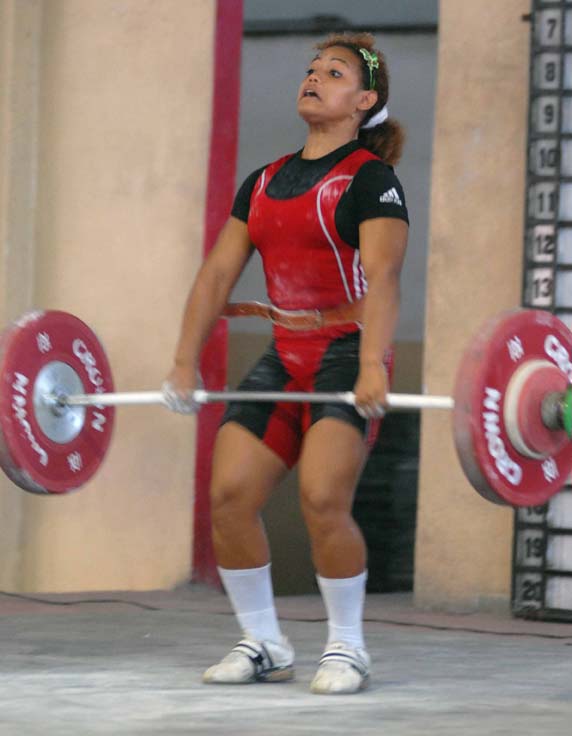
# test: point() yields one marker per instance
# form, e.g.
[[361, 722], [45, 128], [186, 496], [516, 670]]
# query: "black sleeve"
[[241, 206], [377, 193]]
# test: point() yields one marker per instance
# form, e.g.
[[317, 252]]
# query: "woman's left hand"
[[371, 391]]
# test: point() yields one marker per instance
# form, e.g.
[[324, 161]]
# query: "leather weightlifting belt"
[[300, 319]]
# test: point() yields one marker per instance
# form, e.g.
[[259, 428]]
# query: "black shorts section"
[[267, 375], [339, 372]]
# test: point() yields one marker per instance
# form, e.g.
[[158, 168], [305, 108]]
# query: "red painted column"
[[220, 192]]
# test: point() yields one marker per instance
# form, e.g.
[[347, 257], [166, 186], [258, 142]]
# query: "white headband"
[[377, 119]]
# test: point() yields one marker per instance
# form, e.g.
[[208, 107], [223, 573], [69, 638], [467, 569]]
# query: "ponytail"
[[385, 140]]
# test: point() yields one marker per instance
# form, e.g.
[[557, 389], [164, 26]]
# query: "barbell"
[[511, 404]]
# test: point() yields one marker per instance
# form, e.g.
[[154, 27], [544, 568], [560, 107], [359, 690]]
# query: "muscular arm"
[[382, 249], [213, 284]]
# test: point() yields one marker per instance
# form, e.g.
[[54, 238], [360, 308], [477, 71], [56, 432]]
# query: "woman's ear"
[[368, 98]]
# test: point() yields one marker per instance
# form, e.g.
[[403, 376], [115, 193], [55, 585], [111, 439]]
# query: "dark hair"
[[385, 140]]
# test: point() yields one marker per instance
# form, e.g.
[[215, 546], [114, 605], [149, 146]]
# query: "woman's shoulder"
[[366, 164], [377, 192], [268, 169], [374, 171], [241, 206]]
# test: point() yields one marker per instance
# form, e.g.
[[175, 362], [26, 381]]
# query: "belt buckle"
[[290, 319]]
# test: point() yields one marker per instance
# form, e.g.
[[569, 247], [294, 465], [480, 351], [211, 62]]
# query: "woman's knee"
[[237, 492], [230, 495], [241, 486], [226, 492], [322, 506]]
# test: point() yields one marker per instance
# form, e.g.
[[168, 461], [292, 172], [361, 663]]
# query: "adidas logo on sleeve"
[[391, 197]]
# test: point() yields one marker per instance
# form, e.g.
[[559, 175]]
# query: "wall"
[[463, 550], [104, 140], [366, 13]]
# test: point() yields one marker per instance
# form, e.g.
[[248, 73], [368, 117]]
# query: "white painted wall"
[[272, 68]]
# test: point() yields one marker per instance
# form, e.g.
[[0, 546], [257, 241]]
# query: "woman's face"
[[332, 89]]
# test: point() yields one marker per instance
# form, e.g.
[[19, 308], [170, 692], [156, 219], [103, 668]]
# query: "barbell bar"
[[200, 396], [511, 405]]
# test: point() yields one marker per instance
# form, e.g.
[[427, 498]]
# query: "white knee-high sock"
[[252, 600], [344, 599]]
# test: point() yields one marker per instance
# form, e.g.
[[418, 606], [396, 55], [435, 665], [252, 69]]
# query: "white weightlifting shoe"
[[341, 670], [254, 661]]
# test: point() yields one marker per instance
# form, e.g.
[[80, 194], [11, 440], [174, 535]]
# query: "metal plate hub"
[[57, 421]]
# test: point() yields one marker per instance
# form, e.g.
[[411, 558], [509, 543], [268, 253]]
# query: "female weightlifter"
[[330, 224]]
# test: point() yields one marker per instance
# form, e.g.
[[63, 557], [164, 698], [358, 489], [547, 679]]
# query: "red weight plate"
[[30, 458], [491, 462]]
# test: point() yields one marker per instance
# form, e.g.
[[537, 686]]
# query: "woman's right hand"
[[179, 387]]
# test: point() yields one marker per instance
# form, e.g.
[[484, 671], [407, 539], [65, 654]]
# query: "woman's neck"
[[320, 143]]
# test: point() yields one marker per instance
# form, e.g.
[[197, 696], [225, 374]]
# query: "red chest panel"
[[306, 263]]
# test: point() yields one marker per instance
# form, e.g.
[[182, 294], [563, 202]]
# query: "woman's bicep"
[[231, 251], [382, 244]]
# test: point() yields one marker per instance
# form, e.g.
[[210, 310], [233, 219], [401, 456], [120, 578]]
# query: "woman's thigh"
[[245, 470], [334, 453]]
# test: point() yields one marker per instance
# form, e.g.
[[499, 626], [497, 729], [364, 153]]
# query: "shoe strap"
[[257, 653], [346, 657]]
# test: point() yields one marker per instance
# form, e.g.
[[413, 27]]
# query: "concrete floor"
[[131, 664]]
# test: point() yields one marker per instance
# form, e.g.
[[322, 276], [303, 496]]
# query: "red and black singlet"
[[303, 217]]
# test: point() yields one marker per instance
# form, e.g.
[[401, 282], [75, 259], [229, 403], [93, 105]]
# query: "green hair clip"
[[372, 63]]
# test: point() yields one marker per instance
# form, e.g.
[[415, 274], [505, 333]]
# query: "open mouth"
[[310, 93]]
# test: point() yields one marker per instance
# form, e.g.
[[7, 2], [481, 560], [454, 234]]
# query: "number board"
[[542, 559]]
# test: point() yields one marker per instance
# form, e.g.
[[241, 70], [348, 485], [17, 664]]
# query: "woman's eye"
[[309, 71], [335, 73]]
